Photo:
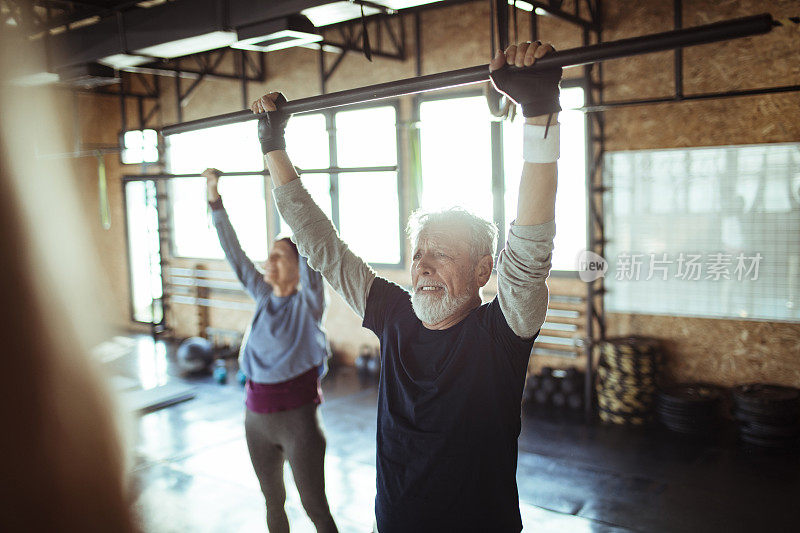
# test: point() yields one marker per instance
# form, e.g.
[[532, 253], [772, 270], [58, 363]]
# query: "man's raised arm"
[[524, 265], [314, 234]]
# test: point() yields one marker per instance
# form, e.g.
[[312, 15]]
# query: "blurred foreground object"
[[62, 461]]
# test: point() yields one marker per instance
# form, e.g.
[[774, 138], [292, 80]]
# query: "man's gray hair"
[[483, 234]]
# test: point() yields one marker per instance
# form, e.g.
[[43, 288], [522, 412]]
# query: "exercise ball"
[[195, 354]]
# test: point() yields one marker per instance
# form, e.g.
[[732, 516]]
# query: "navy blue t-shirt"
[[448, 418]]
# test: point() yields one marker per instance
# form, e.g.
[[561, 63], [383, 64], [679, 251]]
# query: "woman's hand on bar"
[[212, 183]]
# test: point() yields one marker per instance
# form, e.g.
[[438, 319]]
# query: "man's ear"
[[484, 269]]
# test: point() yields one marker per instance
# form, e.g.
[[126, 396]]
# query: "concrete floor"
[[192, 472]]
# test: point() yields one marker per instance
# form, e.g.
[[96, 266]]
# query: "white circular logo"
[[591, 266]]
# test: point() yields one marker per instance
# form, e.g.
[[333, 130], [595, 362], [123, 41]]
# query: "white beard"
[[432, 309]]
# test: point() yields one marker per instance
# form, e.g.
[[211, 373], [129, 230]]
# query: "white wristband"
[[536, 148]]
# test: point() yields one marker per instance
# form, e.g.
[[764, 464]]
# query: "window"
[[457, 142], [143, 251], [713, 230], [307, 144], [570, 237], [232, 148], [139, 146], [363, 138], [456, 155], [368, 138], [369, 215]]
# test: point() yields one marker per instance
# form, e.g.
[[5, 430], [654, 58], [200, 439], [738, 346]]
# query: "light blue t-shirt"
[[286, 337]]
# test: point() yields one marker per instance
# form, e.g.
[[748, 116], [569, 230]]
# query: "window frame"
[[498, 162], [171, 248], [128, 256], [330, 122], [171, 240]]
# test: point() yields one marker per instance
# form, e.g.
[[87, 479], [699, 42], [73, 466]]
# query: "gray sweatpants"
[[296, 436]]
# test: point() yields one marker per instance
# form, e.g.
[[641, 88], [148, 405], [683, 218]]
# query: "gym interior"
[[662, 392]]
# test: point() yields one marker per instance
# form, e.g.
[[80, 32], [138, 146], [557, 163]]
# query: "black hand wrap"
[[535, 90], [271, 128]]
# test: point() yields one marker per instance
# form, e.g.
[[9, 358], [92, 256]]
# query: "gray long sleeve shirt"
[[522, 267], [286, 337]]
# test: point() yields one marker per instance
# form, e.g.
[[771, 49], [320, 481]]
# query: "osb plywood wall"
[[748, 63], [96, 122], [714, 350], [725, 351]]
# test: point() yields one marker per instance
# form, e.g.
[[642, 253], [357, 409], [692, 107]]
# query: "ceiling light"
[[331, 48], [190, 45], [403, 4], [336, 12], [277, 34], [121, 61], [84, 22], [525, 6]]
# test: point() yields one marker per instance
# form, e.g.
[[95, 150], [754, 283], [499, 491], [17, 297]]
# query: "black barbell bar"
[[301, 171], [645, 44]]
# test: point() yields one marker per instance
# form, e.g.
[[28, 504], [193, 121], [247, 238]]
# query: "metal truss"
[[554, 7], [595, 226], [248, 67], [152, 93], [207, 66], [387, 37], [147, 97], [44, 15]]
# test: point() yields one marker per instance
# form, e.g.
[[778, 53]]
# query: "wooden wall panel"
[[715, 350], [726, 352]]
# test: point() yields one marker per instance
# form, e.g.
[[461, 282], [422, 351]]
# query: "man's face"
[[281, 267], [443, 274]]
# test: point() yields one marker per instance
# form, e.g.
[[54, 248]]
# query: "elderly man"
[[453, 369]]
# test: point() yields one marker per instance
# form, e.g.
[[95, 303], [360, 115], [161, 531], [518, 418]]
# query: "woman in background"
[[283, 356]]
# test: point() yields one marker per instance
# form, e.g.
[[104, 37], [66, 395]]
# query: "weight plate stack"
[[768, 415], [627, 376], [557, 388], [691, 408], [572, 382]]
